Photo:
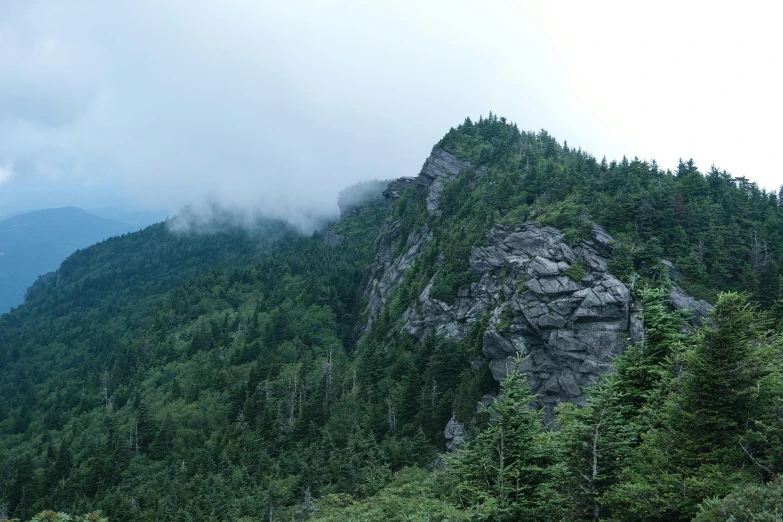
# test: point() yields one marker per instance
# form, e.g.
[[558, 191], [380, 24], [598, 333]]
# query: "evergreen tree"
[[595, 444], [503, 472], [163, 443], [597, 440], [715, 426]]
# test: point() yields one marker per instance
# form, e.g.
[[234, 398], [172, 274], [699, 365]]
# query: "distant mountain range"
[[34, 243]]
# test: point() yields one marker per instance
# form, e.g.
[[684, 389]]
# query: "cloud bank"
[[274, 107]]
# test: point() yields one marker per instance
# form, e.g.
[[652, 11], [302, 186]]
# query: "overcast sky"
[[278, 105]]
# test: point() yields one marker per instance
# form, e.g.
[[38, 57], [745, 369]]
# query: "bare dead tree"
[[701, 250], [292, 401], [392, 415], [134, 444], [104, 390], [328, 368], [759, 254]]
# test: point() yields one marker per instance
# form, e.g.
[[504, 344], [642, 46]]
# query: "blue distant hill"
[[34, 243]]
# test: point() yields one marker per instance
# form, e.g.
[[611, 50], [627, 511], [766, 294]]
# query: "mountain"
[[35, 243], [139, 218], [571, 336]]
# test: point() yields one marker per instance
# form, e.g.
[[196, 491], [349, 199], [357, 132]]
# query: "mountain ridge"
[[525, 287], [239, 375]]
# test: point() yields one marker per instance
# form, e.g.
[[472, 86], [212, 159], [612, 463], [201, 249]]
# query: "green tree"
[[502, 474], [597, 441], [714, 426]]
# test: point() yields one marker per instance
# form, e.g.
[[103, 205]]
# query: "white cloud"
[[279, 105], [6, 172]]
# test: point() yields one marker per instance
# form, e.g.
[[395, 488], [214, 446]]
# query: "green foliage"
[[447, 283], [52, 516], [230, 395], [570, 216], [505, 319], [411, 212], [644, 369], [715, 431], [502, 474], [753, 503], [413, 495], [597, 441], [723, 233], [576, 271]]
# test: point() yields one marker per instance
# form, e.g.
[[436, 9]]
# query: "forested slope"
[[229, 376]]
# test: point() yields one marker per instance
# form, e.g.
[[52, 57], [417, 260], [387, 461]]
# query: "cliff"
[[554, 302]]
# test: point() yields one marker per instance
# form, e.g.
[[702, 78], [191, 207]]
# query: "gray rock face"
[[682, 301], [674, 274], [454, 434], [567, 331], [386, 273], [440, 168], [397, 187]]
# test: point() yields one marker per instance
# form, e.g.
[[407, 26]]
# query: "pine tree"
[[61, 466], [503, 472], [23, 488], [595, 443], [718, 428], [164, 440], [597, 440], [777, 307], [722, 375], [642, 370], [144, 429]]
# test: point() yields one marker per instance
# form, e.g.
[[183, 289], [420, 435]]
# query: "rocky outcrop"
[[682, 301], [440, 168], [454, 434], [554, 304], [387, 272], [567, 330], [397, 187]]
